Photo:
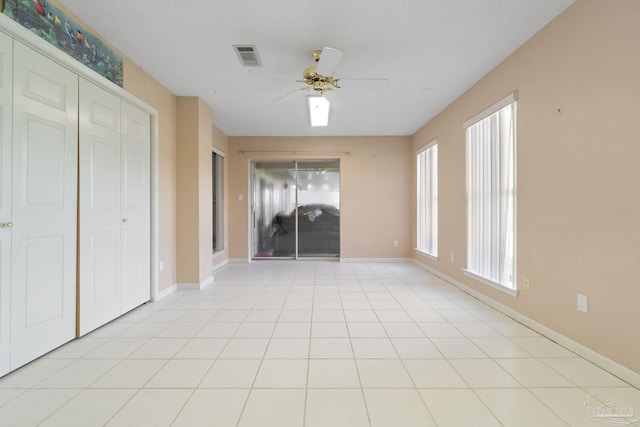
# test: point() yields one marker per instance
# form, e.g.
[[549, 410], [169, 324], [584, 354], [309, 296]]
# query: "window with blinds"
[[490, 176], [427, 186]]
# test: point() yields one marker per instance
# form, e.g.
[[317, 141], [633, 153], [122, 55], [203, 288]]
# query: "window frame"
[[512, 287]]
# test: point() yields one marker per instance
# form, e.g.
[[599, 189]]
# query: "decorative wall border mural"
[[45, 19]]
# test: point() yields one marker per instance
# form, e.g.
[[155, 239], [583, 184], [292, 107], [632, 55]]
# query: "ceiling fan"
[[321, 79]]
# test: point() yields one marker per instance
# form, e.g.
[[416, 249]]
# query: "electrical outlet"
[[526, 284], [395, 243], [452, 257], [583, 303], [161, 265]]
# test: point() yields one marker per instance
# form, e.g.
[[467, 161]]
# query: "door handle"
[[6, 225], [125, 220]]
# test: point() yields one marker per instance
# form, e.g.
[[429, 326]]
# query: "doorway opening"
[[295, 209]]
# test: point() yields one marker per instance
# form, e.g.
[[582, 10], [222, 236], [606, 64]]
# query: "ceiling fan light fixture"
[[318, 110], [317, 81]]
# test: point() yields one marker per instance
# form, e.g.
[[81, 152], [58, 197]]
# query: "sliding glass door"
[[318, 209], [296, 209]]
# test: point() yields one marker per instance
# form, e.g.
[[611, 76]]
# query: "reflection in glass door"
[[296, 209], [318, 209], [274, 195]]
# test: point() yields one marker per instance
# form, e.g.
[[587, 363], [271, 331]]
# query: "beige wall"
[[205, 190], [375, 190], [578, 199], [187, 259], [194, 190]]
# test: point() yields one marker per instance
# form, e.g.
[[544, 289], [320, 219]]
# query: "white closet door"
[[44, 195], [135, 203], [99, 204], [6, 109]]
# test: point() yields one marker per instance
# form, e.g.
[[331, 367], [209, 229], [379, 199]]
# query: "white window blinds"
[[427, 214], [490, 173]]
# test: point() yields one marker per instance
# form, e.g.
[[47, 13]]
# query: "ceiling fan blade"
[[329, 60], [335, 100], [410, 86], [364, 84], [289, 95]]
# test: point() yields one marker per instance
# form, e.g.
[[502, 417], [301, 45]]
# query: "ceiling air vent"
[[248, 55]]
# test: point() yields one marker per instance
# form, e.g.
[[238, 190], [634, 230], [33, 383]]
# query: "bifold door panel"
[[44, 205], [114, 207], [6, 224]]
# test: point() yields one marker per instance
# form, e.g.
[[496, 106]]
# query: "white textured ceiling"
[[431, 51]]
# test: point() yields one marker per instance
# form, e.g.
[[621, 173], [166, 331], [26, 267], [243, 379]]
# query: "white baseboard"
[[207, 282], [163, 293], [219, 265], [238, 260], [375, 260], [195, 286], [592, 356]]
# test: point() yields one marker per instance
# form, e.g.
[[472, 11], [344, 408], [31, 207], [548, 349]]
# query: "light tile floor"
[[312, 344]]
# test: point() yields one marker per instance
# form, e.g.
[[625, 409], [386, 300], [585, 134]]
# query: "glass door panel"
[[274, 203], [318, 208]]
